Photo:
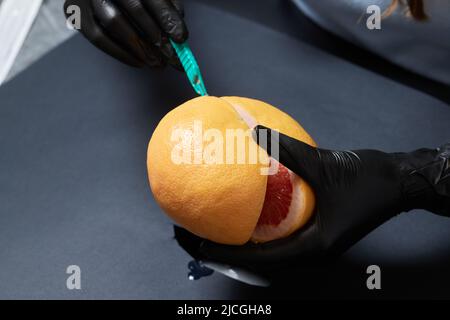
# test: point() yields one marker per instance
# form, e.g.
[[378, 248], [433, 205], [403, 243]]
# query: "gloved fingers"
[[296, 155], [143, 20], [188, 241], [205, 250], [116, 25], [304, 244], [168, 18], [150, 29], [170, 54], [96, 35], [152, 33], [107, 45], [179, 6]]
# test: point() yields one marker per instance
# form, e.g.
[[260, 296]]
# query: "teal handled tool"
[[190, 66]]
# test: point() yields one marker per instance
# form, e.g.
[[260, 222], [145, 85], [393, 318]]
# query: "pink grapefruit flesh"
[[283, 206], [278, 198]]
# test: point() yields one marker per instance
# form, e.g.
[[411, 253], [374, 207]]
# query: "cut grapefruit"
[[287, 206], [227, 202]]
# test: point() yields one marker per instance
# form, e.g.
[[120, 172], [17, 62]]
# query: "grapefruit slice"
[[285, 207]]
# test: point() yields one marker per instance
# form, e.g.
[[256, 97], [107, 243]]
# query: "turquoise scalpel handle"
[[190, 66]]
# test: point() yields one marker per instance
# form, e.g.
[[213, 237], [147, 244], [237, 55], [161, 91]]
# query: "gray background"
[[74, 130]]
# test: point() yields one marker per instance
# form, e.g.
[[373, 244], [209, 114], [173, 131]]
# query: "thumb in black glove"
[[135, 32], [356, 191]]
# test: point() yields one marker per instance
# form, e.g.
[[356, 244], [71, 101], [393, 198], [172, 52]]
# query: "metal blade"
[[237, 273]]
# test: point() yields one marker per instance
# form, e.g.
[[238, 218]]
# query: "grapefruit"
[[198, 176]]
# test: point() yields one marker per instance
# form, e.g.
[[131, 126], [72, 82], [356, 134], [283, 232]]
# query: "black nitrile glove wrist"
[[356, 191], [427, 179], [135, 32]]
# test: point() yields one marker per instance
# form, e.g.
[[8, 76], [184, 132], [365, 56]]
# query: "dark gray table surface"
[[74, 130]]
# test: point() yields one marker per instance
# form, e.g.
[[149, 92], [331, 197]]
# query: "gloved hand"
[[356, 191], [135, 32]]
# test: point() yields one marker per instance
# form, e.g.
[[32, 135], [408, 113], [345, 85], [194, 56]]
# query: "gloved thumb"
[[299, 157]]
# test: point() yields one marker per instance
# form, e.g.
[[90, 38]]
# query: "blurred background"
[[34, 27]]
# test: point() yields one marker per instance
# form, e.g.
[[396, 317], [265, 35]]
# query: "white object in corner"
[[16, 19]]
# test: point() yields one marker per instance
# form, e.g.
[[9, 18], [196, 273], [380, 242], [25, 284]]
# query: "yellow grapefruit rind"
[[183, 190], [221, 203]]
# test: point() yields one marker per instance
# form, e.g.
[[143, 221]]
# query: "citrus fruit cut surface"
[[287, 206], [278, 198]]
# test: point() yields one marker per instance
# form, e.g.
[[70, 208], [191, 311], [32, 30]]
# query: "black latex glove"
[[356, 191], [135, 32]]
